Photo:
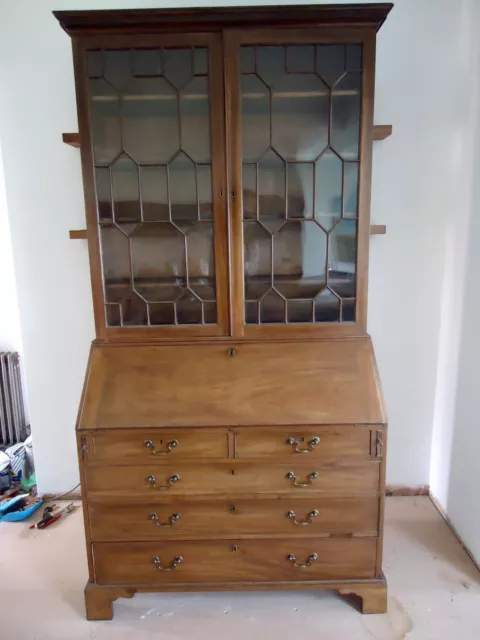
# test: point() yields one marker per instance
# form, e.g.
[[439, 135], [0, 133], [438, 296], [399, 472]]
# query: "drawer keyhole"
[[234, 548]]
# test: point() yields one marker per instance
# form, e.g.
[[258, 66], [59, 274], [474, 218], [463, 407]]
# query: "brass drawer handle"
[[303, 565], [308, 519], [311, 477], [175, 562], [170, 445], [294, 442], [152, 481], [171, 521]]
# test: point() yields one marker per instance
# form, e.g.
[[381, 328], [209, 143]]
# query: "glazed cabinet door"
[[153, 153], [300, 122]]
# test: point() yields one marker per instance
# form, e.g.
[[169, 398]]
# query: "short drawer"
[[289, 516], [136, 446], [230, 478], [213, 561], [309, 442]]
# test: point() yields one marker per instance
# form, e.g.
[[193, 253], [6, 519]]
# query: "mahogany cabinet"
[[231, 430]]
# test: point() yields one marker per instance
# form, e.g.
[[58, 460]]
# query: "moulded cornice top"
[[77, 23]]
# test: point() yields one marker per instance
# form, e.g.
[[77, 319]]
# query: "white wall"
[[455, 472], [419, 90], [10, 337]]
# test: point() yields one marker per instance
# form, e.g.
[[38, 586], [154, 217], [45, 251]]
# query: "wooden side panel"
[[82, 448], [226, 479], [222, 561], [290, 516]]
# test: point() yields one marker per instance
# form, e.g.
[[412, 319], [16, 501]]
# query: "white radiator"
[[13, 427]]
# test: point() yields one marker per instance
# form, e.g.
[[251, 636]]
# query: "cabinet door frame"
[[146, 333], [234, 39]]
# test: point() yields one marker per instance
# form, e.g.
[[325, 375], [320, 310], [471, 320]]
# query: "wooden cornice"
[[77, 23]]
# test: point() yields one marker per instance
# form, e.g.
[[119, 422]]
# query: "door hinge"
[[83, 447]]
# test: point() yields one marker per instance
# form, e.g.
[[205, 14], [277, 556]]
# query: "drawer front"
[[137, 446], [229, 478], [227, 561], [308, 442], [289, 516]]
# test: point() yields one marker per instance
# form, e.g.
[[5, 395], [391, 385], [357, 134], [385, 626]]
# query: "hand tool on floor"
[[47, 515], [65, 511]]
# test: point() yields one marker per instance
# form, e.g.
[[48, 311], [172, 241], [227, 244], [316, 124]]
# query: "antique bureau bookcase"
[[231, 431]]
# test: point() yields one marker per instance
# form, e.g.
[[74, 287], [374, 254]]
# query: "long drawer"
[[215, 561], [136, 446], [229, 478], [289, 516]]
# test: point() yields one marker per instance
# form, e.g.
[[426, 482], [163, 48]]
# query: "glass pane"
[[204, 187], [300, 310], [300, 104], [147, 62], [328, 189], [154, 189], [104, 194], [150, 117], [252, 313], [350, 189], [125, 191], [258, 260], [201, 265], [135, 311], [163, 313], [300, 255], [255, 117], [345, 128], [300, 164], [272, 308], [116, 256], [114, 316], [189, 309], [200, 61], [249, 180], [300, 189], [327, 307], [342, 258], [300, 59], [105, 118], [178, 66], [183, 188], [158, 254], [271, 190], [195, 119], [150, 120]]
